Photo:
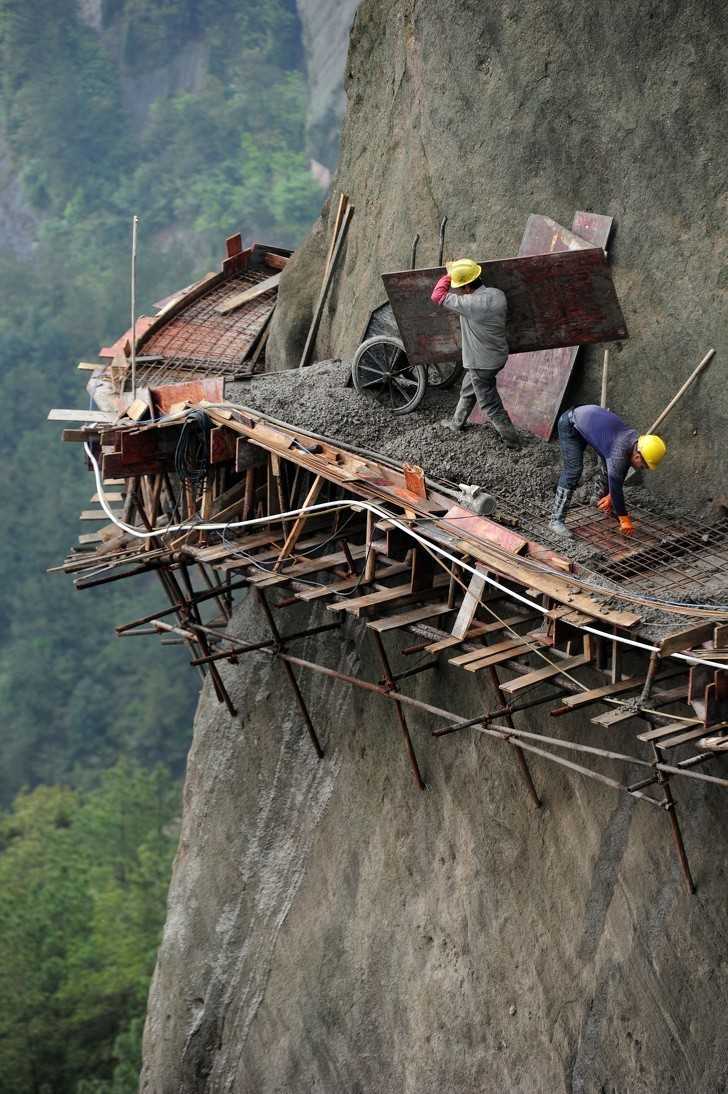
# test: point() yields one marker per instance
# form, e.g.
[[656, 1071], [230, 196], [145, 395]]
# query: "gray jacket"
[[483, 315]]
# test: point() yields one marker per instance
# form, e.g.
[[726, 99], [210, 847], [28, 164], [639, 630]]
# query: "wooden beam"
[[512, 687], [105, 416], [231, 303], [469, 606], [300, 521], [687, 639], [405, 619]]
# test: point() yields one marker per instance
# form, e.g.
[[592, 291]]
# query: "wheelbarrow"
[[381, 369]]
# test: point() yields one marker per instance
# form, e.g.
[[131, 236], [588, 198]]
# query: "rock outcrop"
[[331, 928], [487, 114]]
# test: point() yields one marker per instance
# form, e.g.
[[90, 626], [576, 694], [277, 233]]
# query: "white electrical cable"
[[367, 506]]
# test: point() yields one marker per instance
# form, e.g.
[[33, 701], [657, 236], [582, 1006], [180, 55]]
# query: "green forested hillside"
[[91, 151]]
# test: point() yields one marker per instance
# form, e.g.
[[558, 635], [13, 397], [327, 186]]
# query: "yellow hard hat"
[[651, 448], [463, 271]]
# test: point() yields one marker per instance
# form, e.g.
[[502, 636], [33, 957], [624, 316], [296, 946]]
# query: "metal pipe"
[[251, 647], [400, 713], [289, 673], [506, 709]]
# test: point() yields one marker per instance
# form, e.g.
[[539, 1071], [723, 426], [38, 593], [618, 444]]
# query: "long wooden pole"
[[134, 227], [605, 378], [676, 398]]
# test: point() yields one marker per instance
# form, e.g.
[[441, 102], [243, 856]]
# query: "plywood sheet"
[[532, 385]]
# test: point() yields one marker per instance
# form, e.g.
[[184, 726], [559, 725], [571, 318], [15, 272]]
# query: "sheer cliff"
[[330, 928], [489, 114]]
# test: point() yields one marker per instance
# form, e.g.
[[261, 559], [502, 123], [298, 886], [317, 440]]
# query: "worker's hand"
[[626, 526], [605, 504], [441, 289]]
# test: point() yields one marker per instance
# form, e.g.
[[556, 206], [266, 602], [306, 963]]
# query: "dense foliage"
[[83, 878], [98, 127]]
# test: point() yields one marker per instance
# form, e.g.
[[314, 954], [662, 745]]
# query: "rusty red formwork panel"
[[553, 300], [532, 385]]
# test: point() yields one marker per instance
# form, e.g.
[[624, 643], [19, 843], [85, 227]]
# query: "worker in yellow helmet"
[[483, 312], [619, 448]]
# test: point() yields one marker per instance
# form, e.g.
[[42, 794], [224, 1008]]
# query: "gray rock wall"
[[332, 929], [489, 112], [326, 25]]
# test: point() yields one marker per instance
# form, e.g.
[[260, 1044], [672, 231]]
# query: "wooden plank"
[[606, 691], [404, 619], [467, 522], [687, 639], [720, 636], [208, 389], [663, 698], [498, 658], [89, 366], [276, 262], [558, 588], [300, 521], [512, 687], [109, 497], [328, 278], [59, 415], [469, 605], [231, 303], [476, 631], [78, 436], [485, 651], [351, 582], [99, 514], [362, 604], [310, 566], [671, 729], [683, 738]]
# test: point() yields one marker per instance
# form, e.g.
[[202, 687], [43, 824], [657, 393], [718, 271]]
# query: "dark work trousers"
[[479, 385], [572, 452]]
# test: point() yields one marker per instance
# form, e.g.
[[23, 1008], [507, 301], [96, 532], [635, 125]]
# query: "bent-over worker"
[[619, 448], [483, 312]]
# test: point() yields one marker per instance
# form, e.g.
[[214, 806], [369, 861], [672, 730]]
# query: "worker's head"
[[464, 275], [648, 452]]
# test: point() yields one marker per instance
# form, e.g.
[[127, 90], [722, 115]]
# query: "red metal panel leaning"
[[532, 385]]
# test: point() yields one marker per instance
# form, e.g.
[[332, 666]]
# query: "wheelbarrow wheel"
[[381, 371], [444, 374]]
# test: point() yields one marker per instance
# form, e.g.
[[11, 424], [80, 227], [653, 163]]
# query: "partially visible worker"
[[619, 449], [483, 312]]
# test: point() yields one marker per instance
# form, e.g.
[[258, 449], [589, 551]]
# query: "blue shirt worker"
[[483, 314], [619, 448]]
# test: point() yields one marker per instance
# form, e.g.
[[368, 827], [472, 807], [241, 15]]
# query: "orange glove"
[[605, 504], [626, 526]]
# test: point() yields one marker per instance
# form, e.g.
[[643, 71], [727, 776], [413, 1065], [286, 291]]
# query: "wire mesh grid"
[[199, 340], [663, 556]]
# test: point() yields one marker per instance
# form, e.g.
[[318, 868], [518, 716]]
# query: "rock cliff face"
[[333, 929], [326, 25], [488, 113], [330, 928]]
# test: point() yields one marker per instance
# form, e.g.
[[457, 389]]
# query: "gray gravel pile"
[[317, 399]]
